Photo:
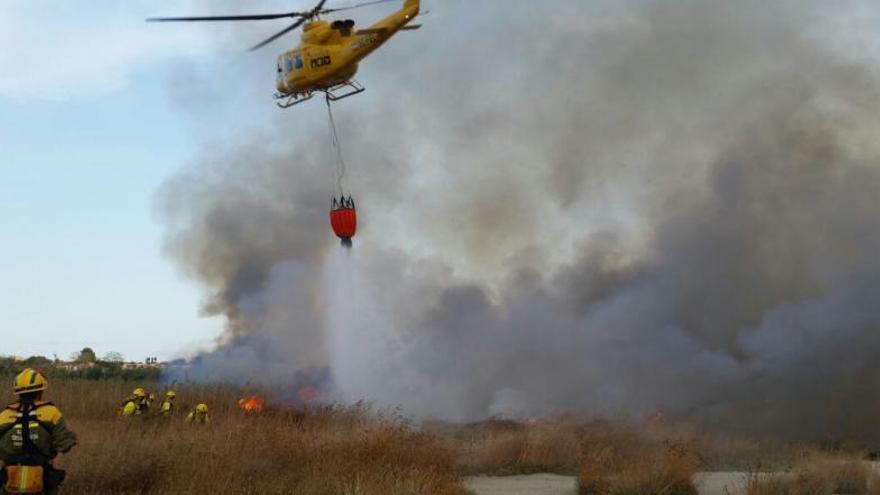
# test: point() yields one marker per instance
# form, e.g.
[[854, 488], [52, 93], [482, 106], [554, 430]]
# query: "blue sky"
[[79, 236], [94, 117]]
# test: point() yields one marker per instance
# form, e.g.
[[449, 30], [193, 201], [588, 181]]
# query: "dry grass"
[[669, 471], [608, 457], [820, 474], [564, 445], [727, 452], [327, 451], [355, 451], [760, 484], [560, 446]]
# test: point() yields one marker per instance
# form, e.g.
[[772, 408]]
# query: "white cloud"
[[62, 51]]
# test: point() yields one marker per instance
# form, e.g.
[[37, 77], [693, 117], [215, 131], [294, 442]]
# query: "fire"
[[656, 421], [253, 404], [308, 395]]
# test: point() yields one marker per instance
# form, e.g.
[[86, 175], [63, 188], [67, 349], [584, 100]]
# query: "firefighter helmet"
[[139, 393], [29, 381], [202, 408]]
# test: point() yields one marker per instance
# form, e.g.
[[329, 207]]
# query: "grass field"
[[328, 450], [820, 473], [354, 450]]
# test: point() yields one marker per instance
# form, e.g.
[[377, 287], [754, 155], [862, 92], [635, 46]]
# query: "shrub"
[[650, 472], [818, 474]]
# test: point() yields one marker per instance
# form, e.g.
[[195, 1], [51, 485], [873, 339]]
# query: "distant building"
[[73, 366]]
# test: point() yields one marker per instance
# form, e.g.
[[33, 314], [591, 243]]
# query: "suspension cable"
[[334, 143]]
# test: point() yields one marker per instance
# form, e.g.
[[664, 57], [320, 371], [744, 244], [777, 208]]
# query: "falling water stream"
[[346, 344]]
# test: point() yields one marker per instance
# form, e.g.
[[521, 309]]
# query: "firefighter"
[[32, 433], [199, 415], [167, 406], [137, 404]]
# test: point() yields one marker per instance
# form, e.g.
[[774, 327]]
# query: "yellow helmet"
[[170, 394], [29, 381], [139, 392], [202, 408]]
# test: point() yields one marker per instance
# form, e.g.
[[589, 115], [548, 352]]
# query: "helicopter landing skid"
[[334, 93], [344, 90], [292, 99]]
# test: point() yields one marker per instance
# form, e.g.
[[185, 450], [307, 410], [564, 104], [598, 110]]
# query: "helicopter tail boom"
[[374, 36], [399, 19]]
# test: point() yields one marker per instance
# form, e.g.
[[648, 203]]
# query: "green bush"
[[100, 370]]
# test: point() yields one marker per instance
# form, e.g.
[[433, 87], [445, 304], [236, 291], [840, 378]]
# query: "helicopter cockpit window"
[[289, 65]]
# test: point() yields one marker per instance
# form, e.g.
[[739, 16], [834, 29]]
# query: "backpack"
[[25, 471]]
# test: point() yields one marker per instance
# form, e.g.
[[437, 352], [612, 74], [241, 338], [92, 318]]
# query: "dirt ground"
[[551, 484], [722, 483], [535, 484]]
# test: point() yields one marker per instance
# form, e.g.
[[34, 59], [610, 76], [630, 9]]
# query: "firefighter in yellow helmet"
[[199, 415], [32, 433], [137, 404], [167, 406]]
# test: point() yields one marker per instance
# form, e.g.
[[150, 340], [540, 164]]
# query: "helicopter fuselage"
[[330, 52]]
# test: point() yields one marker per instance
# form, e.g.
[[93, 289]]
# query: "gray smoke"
[[609, 208]]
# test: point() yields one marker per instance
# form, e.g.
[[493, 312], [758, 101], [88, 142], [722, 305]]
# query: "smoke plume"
[[609, 208]]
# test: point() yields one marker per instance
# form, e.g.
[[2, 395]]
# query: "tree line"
[[82, 365]]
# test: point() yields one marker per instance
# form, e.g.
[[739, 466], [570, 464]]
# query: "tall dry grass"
[[324, 451], [564, 445], [653, 471], [355, 451], [561, 445], [820, 473]]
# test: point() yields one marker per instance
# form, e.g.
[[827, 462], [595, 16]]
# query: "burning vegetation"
[[320, 450], [339, 450], [306, 396], [253, 404]]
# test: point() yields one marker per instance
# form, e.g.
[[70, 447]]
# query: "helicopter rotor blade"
[[303, 17], [279, 34], [356, 6], [257, 17]]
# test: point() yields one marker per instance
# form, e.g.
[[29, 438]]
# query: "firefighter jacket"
[[195, 417], [48, 433], [167, 408], [135, 407]]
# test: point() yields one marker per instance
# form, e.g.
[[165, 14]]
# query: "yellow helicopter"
[[327, 58]]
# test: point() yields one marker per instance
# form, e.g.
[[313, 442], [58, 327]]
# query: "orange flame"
[[656, 421], [253, 404], [308, 395]]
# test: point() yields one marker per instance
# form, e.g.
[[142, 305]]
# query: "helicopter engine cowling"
[[344, 28], [317, 32]]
